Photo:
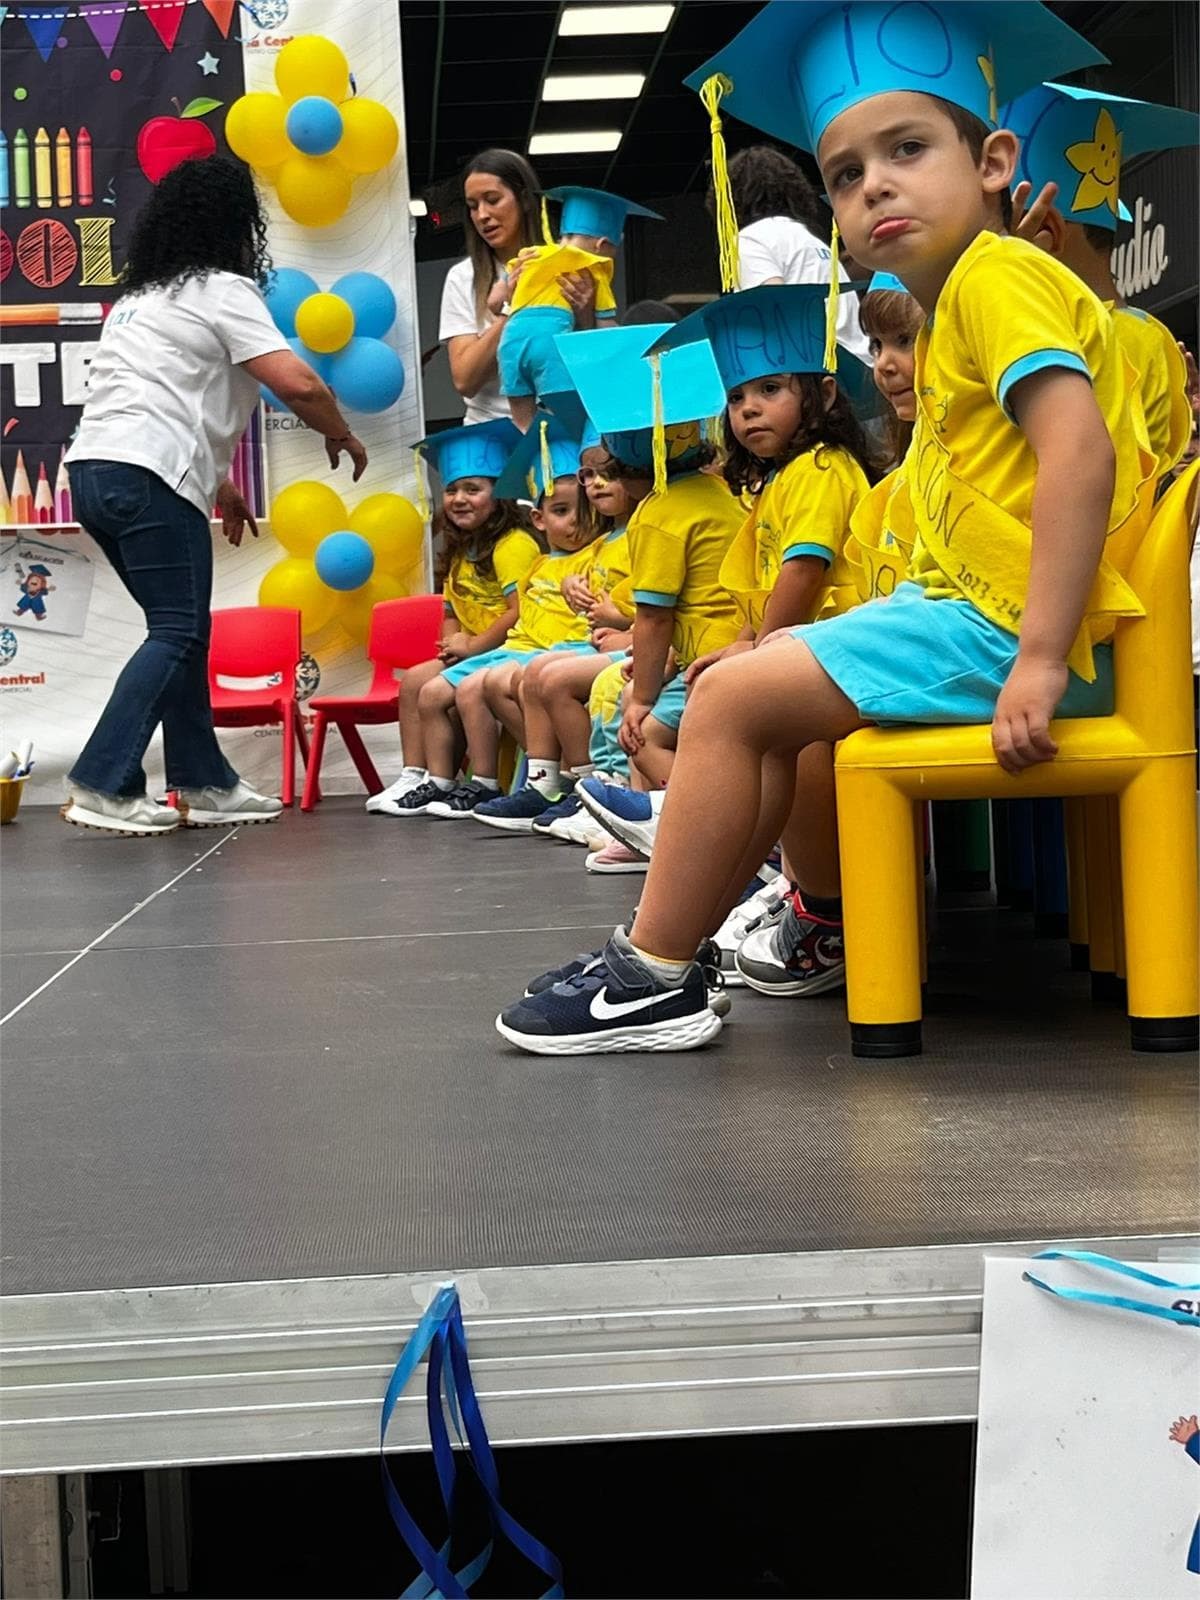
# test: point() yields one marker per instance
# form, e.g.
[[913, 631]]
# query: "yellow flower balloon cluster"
[[340, 564], [313, 138]]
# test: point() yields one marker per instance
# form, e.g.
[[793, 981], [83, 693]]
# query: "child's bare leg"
[[657, 756], [563, 690], [412, 743], [772, 700], [541, 741], [502, 691], [479, 725], [810, 835], [523, 408], [441, 730]]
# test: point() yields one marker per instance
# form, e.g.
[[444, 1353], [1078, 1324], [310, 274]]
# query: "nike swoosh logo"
[[604, 1011]]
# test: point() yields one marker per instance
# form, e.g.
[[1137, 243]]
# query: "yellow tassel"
[[831, 304], [660, 431], [423, 505], [547, 236], [547, 459], [711, 92]]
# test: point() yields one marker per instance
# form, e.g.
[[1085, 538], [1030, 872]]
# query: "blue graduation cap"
[[548, 452], [594, 212], [1077, 138], [617, 386], [566, 407], [778, 327], [801, 63], [478, 451], [887, 281]]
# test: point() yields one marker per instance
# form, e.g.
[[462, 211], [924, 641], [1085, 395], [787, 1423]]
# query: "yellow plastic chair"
[[1142, 756]]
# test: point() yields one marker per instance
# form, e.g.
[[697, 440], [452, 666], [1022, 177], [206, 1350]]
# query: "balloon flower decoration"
[[341, 564], [340, 335], [313, 138]]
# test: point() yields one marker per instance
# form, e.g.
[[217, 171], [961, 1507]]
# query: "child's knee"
[[435, 695]]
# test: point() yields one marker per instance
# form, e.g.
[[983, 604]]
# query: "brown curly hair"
[[767, 183], [477, 545], [882, 314], [837, 428]]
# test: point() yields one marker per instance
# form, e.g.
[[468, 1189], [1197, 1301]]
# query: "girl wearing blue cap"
[[484, 551]]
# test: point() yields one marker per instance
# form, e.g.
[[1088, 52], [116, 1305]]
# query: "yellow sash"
[[881, 536], [984, 552]]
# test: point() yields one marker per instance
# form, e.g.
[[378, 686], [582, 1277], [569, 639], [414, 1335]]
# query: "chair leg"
[[1074, 814], [1102, 939], [288, 795], [1118, 898], [1162, 923], [358, 754], [921, 832], [879, 908], [312, 764]]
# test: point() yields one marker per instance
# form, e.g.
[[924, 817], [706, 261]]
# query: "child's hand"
[[630, 736], [1029, 223], [576, 593], [1184, 1429], [455, 647], [1028, 700], [702, 663], [609, 639], [603, 614]]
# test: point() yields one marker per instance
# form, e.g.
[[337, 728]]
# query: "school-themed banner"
[[128, 75], [1087, 1476]]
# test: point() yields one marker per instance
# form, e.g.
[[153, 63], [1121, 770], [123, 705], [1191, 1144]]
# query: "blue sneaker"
[[513, 812], [613, 1006], [628, 815], [569, 806], [708, 956], [563, 974]]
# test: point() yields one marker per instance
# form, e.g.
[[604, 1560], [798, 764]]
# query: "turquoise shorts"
[[909, 659], [529, 360], [461, 670], [668, 708]]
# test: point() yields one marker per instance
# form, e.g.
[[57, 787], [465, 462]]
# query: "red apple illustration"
[[164, 142]]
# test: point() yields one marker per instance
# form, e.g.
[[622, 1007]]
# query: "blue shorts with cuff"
[[461, 670], [529, 361]]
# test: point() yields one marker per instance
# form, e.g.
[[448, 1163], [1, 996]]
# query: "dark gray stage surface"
[[276, 1060]]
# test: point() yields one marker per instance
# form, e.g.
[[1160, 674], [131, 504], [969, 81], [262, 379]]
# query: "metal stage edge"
[[210, 1373]]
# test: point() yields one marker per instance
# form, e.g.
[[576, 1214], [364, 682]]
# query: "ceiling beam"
[[437, 80], [546, 59], [633, 110]]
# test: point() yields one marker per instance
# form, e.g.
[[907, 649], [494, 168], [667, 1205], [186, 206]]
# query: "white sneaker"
[[579, 829], [219, 808], [408, 779], [87, 808], [767, 902]]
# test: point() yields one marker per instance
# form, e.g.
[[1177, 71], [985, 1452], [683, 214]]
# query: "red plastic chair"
[[403, 634], [259, 642]]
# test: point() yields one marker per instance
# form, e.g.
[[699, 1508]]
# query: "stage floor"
[[268, 1055]]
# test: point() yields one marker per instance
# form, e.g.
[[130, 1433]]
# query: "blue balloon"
[[318, 362], [344, 560], [370, 299], [366, 375], [286, 288], [314, 125]]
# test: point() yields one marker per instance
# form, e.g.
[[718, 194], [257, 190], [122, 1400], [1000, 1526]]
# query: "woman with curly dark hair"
[[170, 391], [784, 231]]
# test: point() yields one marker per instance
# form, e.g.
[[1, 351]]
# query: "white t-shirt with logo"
[[458, 317], [781, 247], [166, 390]]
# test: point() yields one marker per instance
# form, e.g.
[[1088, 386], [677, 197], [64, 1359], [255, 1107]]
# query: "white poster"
[[1087, 1480], [48, 585]]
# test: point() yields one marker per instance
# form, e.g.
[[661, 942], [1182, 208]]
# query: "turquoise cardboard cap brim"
[[479, 451], [523, 477], [1079, 138], [885, 281], [800, 63], [566, 407], [616, 384], [595, 212]]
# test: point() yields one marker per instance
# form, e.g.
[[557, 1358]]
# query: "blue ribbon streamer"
[[441, 1335], [1119, 1302]]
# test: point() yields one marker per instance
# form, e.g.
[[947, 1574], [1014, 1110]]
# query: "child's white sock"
[[444, 784], [543, 776], [486, 783], [415, 772]]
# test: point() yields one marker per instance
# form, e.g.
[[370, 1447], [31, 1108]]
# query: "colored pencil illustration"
[[67, 316], [63, 510], [5, 198], [22, 192], [43, 184], [43, 497], [62, 167], [22, 495], [83, 168]]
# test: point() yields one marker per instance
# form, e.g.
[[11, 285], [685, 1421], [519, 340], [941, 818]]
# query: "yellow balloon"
[[325, 322], [355, 615], [293, 583], [392, 526], [370, 135], [256, 130], [313, 190], [312, 65], [303, 513]]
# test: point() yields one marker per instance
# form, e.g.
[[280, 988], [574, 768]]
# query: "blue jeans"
[[160, 546]]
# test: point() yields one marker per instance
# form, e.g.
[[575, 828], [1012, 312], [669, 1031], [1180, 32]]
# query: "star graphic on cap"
[[1099, 160], [208, 65]]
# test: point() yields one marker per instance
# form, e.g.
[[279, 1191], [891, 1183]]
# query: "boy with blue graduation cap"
[[1073, 142], [590, 231], [1030, 452]]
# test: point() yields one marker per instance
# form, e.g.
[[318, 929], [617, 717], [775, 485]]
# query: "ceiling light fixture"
[[593, 86], [580, 21], [574, 144]]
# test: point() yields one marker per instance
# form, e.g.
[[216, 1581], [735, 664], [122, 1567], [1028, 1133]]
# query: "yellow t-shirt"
[[678, 540], [879, 544], [1162, 378], [538, 284], [545, 619], [804, 510], [1006, 311], [611, 567], [478, 601]]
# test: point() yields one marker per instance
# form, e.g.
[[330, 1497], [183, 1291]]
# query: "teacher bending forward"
[[170, 391]]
